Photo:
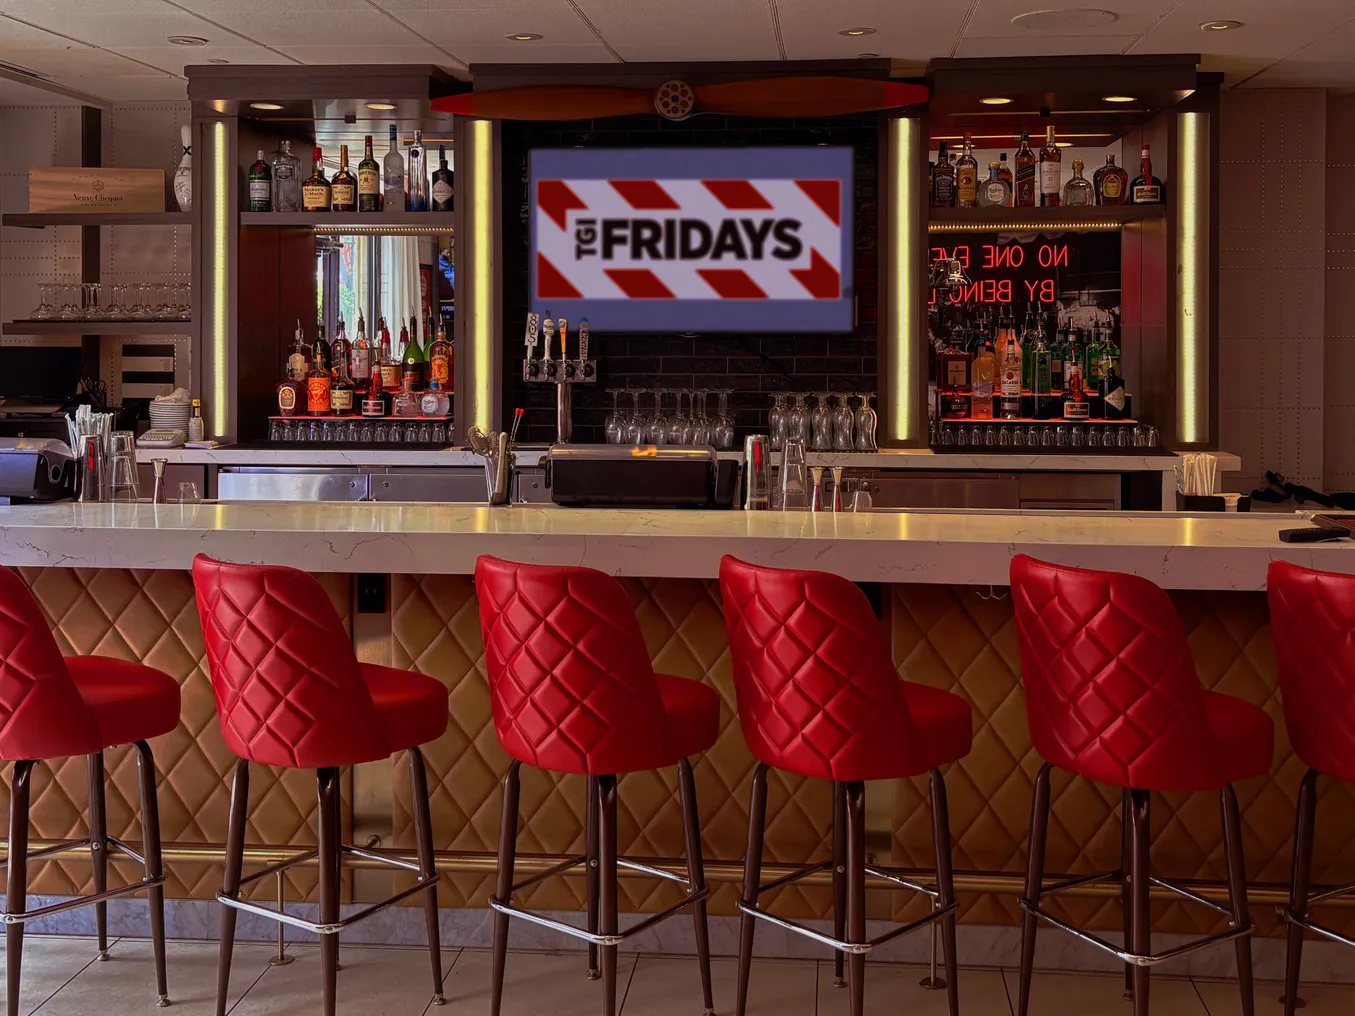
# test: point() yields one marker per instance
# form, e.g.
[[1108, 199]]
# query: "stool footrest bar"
[[282, 865], [838, 944], [1136, 959], [794, 876], [1319, 929], [1194, 897], [888, 876], [332, 928], [136, 855], [551, 872], [81, 901], [1330, 894], [55, 848]]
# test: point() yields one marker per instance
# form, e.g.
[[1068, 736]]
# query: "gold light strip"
[[906, 147], [379, 230], [1192, 292], [220, 383], [1019, 227], [482, 268]]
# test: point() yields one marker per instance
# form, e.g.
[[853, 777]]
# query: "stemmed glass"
[[798, 426], [140, 309], [164, 308], [822, 420], [658, 423], [92, 310], [724, 422], [865, 424], [44, 311], [615, 425], [183, 300], [776, 421], [843, 420], [676, 421], [635, 430], [70, 302]]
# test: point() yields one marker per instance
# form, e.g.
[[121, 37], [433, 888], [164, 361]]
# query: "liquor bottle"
[[315, 191], [196, 425], [931, 183], [1111, 183], [374, 402], [1113, 394], [1028, 339], [1057, 353], [1112, 350], [1006, 336], [341, 389], [322, 349], [1075, 405], [995, 192], [318, 383], [1094, 365], [1050, 169], [1004, 173], [1043, 380], [440, 359], [369, 179], [298, 355], [344, 187], [393, 165], [290, 388], [340, 350], [406, 402], [1025, 174], [416, 362], [1079, 190], [954, 366], [1146, 188], [390, 366], [362, 355], [982, 375], [1010, 400], [442, 183], [286, 180], [260, 186], [416, 175], [1072, 362], [944, 187], [967, 177]]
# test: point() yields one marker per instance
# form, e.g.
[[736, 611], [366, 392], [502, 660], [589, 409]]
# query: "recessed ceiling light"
[[867, 56], [264, 105], [380, 105], [1065, 20], [1118, 98], [217, 60], [995, 100], [1219, 26], [857, 31], [523, 37], [187, 40]]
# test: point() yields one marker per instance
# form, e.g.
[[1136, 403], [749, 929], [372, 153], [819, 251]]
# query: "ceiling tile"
[[1327, 62], [1046, 45], [540, 52], [131, 88], [212, 8], [416, 54], [691, 30], [17, 36], [105, 26], [458, 6], [316, 27], [993, 18], [31, 10], [556, 23], [80, 61], [912, 30], [176, 58]]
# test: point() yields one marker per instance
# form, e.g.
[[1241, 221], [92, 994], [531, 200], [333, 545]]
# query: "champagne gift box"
[[95, 189]]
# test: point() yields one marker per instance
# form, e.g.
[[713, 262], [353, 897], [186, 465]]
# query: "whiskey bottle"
[[340, 350], [369, 179], [1146, 188], [995, 192], [322, 348], [290, 388], [318, 383], [944, 187], [315, 191], [1050, 170], [390, 366], [440, 359], [298, 355], [416, 362], [286, 180], [1079, 190], [260, 186], [1010, 400], [416, 175], [1004, 173], [362, 354], [393, 165], [1111, 183], [442, 183], [341, 390], [1025, 174], [344, 187], [967, 177]]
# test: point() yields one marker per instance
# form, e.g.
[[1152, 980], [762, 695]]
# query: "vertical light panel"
[[218, 382], [903, 228], [1193, 323], [482, 270]]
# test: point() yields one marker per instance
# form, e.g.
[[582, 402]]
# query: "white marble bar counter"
[[1205, 551]]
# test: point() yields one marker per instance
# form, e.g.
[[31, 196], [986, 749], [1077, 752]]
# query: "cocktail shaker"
[[90, 471]]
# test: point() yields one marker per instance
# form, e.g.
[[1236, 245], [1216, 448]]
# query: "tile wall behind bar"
[[755, 366]]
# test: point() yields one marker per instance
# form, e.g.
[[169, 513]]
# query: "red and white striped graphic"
[[661, 239]]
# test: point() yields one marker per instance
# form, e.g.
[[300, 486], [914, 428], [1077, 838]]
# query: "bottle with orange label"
[[440, 359], [318, 384]]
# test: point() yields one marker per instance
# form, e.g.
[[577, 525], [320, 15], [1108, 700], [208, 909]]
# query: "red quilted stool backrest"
[[287, 684], [41, 712], [1312, 620], [570, 680], [1111, 688], [817, 689]]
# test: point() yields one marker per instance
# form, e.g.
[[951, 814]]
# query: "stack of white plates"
[[170, 415]]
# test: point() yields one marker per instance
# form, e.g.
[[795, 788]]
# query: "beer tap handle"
[[583, 338], [564, 328], [533, 320]]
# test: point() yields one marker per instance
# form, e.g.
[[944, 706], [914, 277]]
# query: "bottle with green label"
[[416, 360], [260, 186], [1095, 355]]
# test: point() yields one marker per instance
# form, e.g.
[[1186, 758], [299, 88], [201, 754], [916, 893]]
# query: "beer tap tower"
[[562, 372]]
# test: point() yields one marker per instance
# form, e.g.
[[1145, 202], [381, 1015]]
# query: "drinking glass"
[[615, 426], [794, 478], [776, 422], [139, 294], [703, 432], [635, 430], [675, 424], [798, 425], [865, 424], [658, 423], [70, 302], [44, 310], [843, 419], [822, 420], [117, 302], [92, 311], [724, 422], [164, 309], [188, 493], [122, 482], [183, 300]]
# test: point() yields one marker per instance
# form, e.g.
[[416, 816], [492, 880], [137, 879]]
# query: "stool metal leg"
[[150, 848], [591, 851], [1304, 823], [856, 894], [423, 834], [607, 903], [508, 835], [839, 880], [1039, 830], [1126, 847], [327, 791], [752, 877], [230, 882], [945, 885], [696, 876], [1237, 894], [1140, 871], [98, 845], [16, 888]]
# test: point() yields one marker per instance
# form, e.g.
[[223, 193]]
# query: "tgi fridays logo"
[[689, 239]]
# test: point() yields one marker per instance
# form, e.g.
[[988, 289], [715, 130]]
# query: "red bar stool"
[[53, 708], [819, 696], [290, 692], [1312, 619], [573, 691], [1112, 696]]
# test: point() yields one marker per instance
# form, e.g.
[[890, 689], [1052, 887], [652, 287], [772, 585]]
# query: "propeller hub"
[[674, 100]]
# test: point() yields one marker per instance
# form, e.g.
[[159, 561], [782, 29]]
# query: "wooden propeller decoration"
[[808, 96]]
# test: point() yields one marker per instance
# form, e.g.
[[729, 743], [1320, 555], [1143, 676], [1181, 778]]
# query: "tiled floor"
[[62, 977]]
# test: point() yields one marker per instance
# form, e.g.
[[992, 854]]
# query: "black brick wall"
[[754, 365]]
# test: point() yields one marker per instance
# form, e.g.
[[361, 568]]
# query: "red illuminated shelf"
[[1094, 216]]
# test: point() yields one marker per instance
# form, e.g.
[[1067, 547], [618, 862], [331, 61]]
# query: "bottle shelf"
[[41, 220], [97, 328], [367, 222], [1062, 217]]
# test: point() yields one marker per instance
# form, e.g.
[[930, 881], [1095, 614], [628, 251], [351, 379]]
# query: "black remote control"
[[1314, 534]]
